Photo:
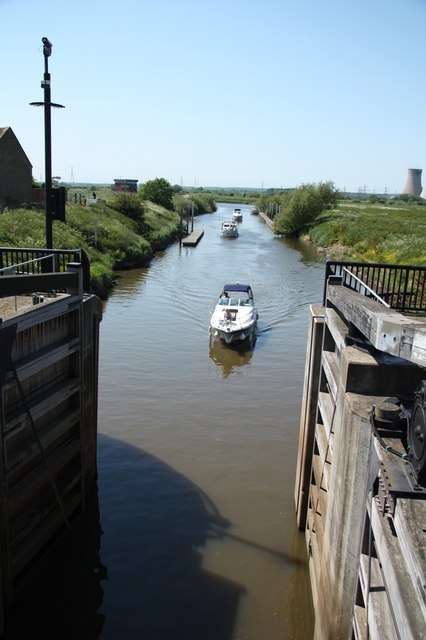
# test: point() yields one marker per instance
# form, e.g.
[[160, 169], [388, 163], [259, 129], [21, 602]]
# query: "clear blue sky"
[[252, 93]]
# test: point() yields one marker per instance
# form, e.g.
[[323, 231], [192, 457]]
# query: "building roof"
[[3, 131]]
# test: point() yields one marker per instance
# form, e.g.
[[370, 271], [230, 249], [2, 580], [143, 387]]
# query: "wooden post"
[[77, 267], [308, 413]]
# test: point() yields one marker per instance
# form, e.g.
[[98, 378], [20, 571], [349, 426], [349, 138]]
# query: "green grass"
[[394, 234], [118, 242], [160, 225]]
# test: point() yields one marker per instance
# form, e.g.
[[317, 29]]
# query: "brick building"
[[126, 184], [15, 172]]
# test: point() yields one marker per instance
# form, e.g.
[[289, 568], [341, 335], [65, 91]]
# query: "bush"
[[130, 205], [304, 205], [158, 191]]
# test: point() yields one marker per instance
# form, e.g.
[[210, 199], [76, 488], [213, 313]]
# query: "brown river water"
[[193, 534]]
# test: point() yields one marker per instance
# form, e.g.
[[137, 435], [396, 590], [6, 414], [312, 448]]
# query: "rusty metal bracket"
[[396, 479]]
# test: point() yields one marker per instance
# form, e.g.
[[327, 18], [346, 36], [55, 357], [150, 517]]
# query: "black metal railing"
[[400, 287], [15, 260]]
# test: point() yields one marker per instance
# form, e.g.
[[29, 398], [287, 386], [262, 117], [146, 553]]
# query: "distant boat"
[[229, 229], [254, 211], [234, 318], [237, 215]]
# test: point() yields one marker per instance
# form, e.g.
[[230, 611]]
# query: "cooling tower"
[[413, 186], [423, 193]]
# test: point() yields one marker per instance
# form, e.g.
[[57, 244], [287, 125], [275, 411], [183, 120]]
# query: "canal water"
[[195, 535]]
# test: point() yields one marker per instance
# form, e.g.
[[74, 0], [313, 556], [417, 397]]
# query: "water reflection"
[[160, 589], [308, 252], [129, 285], [230, 357], [299, 620]]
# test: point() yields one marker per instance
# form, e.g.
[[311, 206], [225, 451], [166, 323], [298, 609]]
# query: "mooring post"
[[76, 267]]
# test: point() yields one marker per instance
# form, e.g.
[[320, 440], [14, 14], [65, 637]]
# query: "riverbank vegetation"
[[371, 229], [117, 230], [393, 232], [121, 230], [299, 208]]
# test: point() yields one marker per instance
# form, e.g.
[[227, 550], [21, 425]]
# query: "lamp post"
[[45, 85]]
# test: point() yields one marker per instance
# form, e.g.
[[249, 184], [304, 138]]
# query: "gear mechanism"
[[417, 434]]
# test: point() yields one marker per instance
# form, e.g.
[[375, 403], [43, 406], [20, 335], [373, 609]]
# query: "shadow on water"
[[145, 556], [62, 600], [165, 519]]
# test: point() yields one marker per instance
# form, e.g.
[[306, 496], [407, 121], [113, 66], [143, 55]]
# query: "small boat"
[[254, 211], [229, 229], [235, 315], [237, 215]]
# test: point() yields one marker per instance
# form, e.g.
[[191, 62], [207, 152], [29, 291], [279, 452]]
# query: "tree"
[[303, 205], [159, 191]]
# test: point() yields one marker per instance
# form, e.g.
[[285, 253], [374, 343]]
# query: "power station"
[[413, 186]]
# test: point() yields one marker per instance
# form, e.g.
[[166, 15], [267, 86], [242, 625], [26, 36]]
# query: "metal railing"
[[400, 287], [43, 261], [28, 266]]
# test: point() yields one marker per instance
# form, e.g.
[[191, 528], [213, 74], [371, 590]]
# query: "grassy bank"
[[394, 232], [117, 230], [119, 243]]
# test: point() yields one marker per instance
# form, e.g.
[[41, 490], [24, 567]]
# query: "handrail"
[[14, 267], [362, 286], [399, 287], [70, 281], [35, 259]]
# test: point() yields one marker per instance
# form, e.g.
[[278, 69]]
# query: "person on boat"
[[230, 314]]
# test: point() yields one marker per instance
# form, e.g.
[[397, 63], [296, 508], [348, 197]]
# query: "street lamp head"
[[47, 47]]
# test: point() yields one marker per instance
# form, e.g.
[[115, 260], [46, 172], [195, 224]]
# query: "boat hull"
[[229, 336]]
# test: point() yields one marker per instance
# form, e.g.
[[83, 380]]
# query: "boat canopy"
[[237, 287]]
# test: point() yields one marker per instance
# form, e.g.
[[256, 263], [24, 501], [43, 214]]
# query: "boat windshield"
[[235, 302]]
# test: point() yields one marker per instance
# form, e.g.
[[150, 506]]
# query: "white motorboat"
[[235, 315], [229, 229], [237, 215]]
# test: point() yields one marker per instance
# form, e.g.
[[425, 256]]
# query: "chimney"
[[413, 186]]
